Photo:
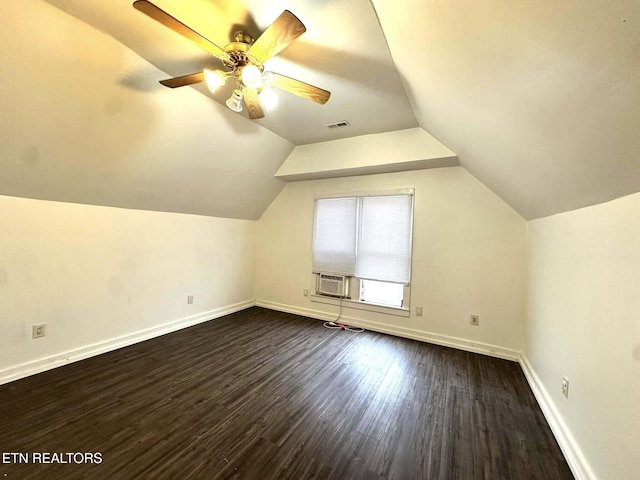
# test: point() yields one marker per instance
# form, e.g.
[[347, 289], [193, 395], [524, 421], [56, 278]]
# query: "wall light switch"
[[39, 330]]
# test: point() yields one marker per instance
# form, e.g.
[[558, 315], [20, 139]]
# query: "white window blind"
[[367, 237], [384, 245], [335, 235]]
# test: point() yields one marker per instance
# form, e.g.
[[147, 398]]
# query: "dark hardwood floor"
[[266, 395]]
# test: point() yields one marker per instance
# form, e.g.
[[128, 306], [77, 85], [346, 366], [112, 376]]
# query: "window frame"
[[355, 282]]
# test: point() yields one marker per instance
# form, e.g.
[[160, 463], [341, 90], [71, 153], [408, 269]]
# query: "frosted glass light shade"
[[214, 79], [234, 102], [252, 76]]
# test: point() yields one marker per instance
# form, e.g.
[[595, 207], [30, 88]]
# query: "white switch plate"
[[39, 330], [189, 299], [475, 320], [418, 311]]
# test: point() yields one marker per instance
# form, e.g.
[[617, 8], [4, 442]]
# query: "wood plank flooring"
[[267, 395]]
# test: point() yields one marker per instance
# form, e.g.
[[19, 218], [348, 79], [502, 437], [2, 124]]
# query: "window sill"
[[346, 303]]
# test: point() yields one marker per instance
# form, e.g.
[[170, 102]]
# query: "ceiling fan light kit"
[[251, 76], [235, 101], [214, 79], [243, 60]]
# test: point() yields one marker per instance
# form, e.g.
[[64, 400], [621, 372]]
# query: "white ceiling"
[[343, 51], [539, 99], [84, 121]]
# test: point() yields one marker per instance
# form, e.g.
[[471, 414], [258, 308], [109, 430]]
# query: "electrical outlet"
[[418, 311], [565, 387], [189, 299], [475, 320], [39, 330], [305, 292]]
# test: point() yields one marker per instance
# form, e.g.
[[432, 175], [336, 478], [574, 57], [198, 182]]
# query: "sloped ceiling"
[[85, 121], [343, 51], [539, 99]]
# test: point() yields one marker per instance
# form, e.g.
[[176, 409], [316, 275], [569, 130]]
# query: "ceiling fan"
[[243, 61]]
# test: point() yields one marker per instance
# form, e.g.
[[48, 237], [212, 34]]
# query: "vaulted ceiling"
[[343, 51], [539, 100]]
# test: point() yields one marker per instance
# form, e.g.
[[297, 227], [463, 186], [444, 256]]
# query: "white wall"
[[584, 323], [85, 121], [469, 257], [102, 274]]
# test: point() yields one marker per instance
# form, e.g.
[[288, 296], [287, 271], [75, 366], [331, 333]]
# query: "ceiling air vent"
[[341, 124]]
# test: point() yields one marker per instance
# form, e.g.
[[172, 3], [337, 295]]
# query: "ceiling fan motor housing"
[[243, 37], [240, 55]]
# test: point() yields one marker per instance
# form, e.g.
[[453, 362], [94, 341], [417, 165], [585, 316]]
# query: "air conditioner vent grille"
[[332, 285], [340, 124]]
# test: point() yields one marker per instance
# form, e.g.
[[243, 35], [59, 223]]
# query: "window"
[[382, 293], [335, 235], [367, 238]]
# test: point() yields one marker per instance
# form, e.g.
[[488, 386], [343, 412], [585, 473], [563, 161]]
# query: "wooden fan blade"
[[298, 88], [277, 36], [252, 101], [177, 26], [183, 80]]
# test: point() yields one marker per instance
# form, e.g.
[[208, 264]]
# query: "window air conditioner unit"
[[332, 285]]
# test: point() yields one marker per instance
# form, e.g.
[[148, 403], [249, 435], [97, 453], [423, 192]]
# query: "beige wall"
[[468, 258], [583, 323], [101, 274]]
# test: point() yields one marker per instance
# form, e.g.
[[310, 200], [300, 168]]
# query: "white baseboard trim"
[[444, 340], [570, 449], [47, 363]]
